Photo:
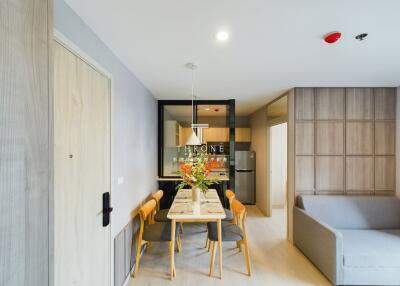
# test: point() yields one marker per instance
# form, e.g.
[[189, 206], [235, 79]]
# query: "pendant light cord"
[[192, 98]]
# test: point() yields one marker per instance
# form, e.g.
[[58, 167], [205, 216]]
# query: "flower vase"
[[196, 194]]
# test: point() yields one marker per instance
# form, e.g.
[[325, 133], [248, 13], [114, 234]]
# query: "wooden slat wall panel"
[[305, 104], [385, 173], [360, 174], [359, 104], [330, 103], [385, 103], [25, 167], [385, 134], [305, 173], [359, 138], [352, 147], [330, 138], [305, 138], [329, 173]]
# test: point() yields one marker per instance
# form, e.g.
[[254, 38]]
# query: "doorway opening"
[[277, 161], [278, 165]]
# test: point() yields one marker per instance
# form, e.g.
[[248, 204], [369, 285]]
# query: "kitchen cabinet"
[[184, 134], [171, 133], [243, 134], [215, 135]]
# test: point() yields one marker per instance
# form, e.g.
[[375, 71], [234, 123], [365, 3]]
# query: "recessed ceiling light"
[[222, 36], [206, 109]]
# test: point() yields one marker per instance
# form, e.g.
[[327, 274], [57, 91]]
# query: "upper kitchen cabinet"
[[172, 133], [184, 134], [216, 134], [243, 134]]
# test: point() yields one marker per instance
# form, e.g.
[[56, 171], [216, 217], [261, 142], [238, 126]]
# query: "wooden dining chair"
[[151, 231], [161, 215], [235, 232], [228, 213]]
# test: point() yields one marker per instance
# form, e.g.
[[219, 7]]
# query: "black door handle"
[[107, 209]]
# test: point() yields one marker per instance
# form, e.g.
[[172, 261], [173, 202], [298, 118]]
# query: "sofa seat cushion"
[[371, 248]]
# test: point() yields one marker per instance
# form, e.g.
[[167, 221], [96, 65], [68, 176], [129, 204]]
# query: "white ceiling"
[[274, 45]]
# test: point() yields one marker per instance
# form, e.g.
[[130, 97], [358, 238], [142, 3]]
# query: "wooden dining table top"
[[208, 209]]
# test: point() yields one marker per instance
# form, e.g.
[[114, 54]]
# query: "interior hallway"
[[274, 260]]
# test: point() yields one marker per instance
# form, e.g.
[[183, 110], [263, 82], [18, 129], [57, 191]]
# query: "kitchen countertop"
[[215, 177]]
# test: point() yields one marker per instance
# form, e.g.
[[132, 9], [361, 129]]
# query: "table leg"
[[219, 246], [172, 249]]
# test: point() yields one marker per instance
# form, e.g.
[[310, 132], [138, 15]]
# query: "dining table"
[[185, 210]]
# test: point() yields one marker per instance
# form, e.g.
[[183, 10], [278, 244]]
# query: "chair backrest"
[[239, 212], [230, 196], [147, 209], [157, 197]]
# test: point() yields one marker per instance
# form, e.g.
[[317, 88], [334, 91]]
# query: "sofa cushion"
[[353, 212], [371, 248]]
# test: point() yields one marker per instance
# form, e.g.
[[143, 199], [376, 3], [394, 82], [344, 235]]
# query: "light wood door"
[[81, 171]]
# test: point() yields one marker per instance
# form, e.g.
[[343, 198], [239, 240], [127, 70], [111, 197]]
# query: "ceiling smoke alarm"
[[332, 37]]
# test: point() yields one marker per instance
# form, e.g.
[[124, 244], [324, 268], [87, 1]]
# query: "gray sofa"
[[353, 240]]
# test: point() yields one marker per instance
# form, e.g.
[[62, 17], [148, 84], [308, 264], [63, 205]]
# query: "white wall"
[[259, 144], [134, 120]]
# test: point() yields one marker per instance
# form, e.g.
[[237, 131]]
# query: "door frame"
[[72, 47], [269, 124]]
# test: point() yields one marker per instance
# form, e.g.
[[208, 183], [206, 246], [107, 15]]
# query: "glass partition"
[[216, 136], [176, 129], [175, 122]]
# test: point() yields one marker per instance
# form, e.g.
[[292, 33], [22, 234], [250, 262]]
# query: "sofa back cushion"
[[353, 212]]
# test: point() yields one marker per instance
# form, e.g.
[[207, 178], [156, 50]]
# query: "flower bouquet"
[[195, 172]]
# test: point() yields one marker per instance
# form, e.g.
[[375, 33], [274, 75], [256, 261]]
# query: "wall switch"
[[120, 180]]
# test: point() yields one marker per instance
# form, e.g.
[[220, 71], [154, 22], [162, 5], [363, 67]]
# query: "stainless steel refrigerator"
[[245, 175]]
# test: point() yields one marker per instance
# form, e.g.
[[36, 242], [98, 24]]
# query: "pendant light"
[[193, 140]]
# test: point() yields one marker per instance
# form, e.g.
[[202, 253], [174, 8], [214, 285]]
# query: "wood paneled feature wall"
[[345, 141], [25, 156]]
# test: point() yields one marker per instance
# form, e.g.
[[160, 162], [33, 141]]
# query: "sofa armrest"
[[320, 243]]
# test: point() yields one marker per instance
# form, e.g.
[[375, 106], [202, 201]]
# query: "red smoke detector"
[[332, 37]]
